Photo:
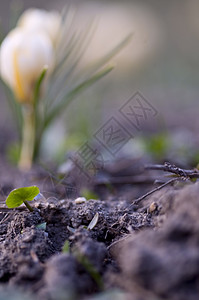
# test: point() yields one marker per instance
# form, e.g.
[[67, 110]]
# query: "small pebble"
[[27, 239], [63, 201], [153, 207], [80, 200]]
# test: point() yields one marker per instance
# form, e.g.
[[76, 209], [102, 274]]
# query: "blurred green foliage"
[[157, 145], [88, 194]]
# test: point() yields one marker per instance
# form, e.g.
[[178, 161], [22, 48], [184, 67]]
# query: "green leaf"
[[72, 94], [18, 196], [38, 85], [36, 103], [107, 57], [67, 62]]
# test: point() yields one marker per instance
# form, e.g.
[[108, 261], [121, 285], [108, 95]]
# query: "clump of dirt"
[[165, 261], [148, 251], [26, 248]]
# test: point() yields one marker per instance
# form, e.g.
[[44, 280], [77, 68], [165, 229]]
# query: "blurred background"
[[161, 61]]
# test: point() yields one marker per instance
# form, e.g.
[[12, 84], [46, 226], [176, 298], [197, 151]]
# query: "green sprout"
[[66, 247], [22, 195], [93, 272]]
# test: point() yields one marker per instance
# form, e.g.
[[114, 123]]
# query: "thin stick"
[[154, 190], [4, 218], [4, 209], [125, 180], [167, 167], [116, 242]]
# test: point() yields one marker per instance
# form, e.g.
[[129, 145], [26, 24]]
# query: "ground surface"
[[147, 251]]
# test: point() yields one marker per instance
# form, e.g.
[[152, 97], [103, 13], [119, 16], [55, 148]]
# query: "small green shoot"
[[22, 195], [66, 247], [83, 260]]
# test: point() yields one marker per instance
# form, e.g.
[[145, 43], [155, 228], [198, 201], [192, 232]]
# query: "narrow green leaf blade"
[[71, 95], [18, 196], [113, 52], [38, 85], [66, 247]]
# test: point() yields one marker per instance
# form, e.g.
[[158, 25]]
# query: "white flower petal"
[[41, 20], [23, 55]]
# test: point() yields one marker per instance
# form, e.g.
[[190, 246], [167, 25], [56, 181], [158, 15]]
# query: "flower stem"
[[28, 138]]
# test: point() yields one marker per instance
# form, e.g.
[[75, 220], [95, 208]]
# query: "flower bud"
[[23, 55], [40, 20]]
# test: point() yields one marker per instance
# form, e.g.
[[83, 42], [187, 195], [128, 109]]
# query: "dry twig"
[[167, 167], [154, 190]]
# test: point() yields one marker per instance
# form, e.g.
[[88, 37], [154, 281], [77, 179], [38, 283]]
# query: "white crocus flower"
[[41, 20], [23, 56]]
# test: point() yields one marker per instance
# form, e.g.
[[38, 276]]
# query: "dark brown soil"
[[134, 252]]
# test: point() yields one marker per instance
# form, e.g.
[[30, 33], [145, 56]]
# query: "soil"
[[148, 251]]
